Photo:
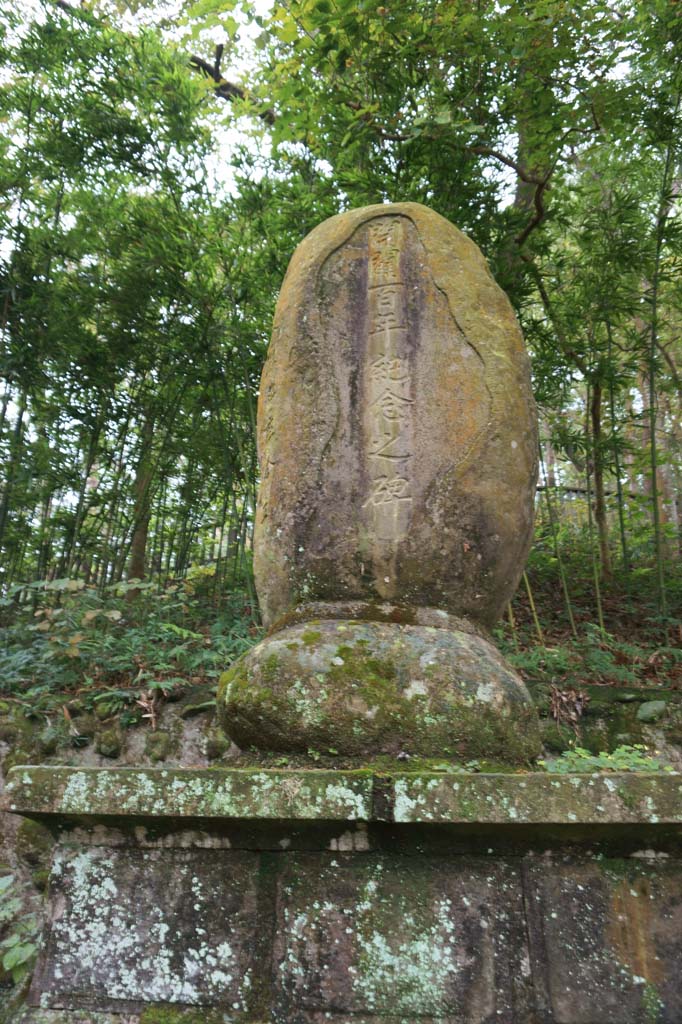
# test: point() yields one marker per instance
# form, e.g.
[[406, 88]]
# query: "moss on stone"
[[49, 740], [651, 710], [611, 721], [555, 738], [198, 700], [595, 737], [383, 689], [414, 793], [34, 844], [18, 729], [40, 879], [652, 1005], [16, 756], [122, 793], [372, 678], [159, 746], [673, 731], [102, 711], [76, 707], [7, 730], [270, 668], [605, 732], [110, 743], [87, 726], [217, 745], [172, 1015]]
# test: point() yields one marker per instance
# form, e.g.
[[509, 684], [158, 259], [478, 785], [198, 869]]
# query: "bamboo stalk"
[[536, 620]]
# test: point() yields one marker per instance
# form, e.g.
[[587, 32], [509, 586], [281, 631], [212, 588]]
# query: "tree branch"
[[224, 89], [564, 343], [524, 175], [540, 211]]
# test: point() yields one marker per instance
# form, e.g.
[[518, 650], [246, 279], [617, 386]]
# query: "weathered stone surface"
[[367, 924], [397, 432], [140, 926], [403, 938], [605, 940], [358, 686], [26, 1015], [398, 454], [651, 710], [160, 1014], [596, 799], [152, 1015], [109, 742], [158, 746], [409, 798], [184, 793]]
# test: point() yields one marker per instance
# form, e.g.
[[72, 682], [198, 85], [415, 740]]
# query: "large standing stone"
[[397, 444], [397, 430]]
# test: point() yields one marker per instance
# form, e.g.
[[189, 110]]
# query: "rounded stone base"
[[360, 689]]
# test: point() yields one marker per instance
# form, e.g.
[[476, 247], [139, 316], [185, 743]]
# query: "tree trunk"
[[45, 537], [15, 452], [599, 498], [82, 494], [550, 464], [142, 508], [651, 485]]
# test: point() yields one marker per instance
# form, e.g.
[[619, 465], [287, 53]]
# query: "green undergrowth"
[[626, 758], [18, 931], [123, 653], [62, 640], [569, 633], [593, 658]]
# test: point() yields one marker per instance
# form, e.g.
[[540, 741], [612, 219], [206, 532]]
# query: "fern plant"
[[18, 947], [623, 759]]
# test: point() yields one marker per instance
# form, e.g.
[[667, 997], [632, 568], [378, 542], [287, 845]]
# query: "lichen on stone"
[[384, 688]]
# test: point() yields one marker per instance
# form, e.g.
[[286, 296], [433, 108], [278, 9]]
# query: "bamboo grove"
[[159, 166]]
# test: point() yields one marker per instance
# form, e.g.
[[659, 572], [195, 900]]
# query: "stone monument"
[[397, 445], [398, 452]]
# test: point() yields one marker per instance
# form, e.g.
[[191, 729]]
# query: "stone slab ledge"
[[535, 798]]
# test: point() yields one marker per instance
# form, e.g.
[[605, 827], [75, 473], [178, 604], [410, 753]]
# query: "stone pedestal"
[[301, 897], [350, 687]]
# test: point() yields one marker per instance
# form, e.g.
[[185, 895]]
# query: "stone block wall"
[[307, 897]]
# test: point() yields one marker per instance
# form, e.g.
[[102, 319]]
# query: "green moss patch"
[[311, 636], [172, 1015]]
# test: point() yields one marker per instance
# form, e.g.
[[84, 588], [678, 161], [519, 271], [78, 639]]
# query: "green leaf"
[[18, 955], [287, 32], [201, 8], [10, 908]]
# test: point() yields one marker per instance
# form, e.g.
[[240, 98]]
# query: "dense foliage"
[[150, 203]]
